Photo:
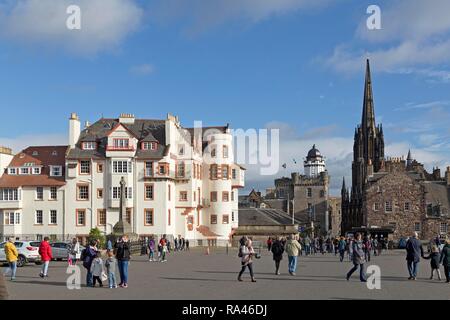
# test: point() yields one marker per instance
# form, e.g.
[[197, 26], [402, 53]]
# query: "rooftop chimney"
[[127, 118], [74, 130]]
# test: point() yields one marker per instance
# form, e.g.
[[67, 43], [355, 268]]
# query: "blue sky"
[[297, 65]]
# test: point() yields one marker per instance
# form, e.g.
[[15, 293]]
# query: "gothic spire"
[[368, 116], [344, 188], [409, 155]]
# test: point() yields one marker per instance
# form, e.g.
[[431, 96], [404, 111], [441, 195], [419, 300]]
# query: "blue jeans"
[[362, 274], [45, 268], [292, 264], [112, 280], [123, 270], [89, 279], [151, 255], [413, 268], [13, 267]]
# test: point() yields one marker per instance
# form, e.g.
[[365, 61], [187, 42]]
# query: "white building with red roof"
[[180, 182]]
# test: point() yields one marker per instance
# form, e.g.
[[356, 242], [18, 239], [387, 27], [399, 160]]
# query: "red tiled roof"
[[8, 181], [39, 156]]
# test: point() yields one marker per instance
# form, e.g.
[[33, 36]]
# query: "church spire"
[[368, 116]]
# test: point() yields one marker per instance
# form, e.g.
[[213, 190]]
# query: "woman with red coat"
[[45, 250]]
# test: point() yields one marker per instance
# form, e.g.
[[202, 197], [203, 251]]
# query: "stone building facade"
[[306, 195], [391, 196]]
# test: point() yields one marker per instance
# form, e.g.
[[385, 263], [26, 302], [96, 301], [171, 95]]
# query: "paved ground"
[[194, 275]]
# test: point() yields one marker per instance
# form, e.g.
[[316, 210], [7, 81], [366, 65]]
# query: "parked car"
[[60, 250], [28, 252]]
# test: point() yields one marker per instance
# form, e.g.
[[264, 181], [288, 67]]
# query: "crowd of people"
[[358, 249]]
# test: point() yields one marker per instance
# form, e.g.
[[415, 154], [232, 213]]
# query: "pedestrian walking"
[[414, 251], [97, 270], [74, 252], [277, 251], [187, 244], [293, 248], [357, 253], [163, 246], [45, 250], [434, 258], [246, 253], [176, 244], [269, 244], [341, 247], [12, 255], [367, 248], [87, 256], [110, 265], [445, 260], [151, 249], [123, 255]]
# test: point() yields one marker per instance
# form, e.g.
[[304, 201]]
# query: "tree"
[[96, 234]]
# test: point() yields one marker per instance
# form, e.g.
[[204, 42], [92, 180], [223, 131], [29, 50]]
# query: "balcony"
[[11, 204]]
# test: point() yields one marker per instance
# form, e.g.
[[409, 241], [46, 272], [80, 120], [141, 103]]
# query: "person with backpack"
[[123, 254], [45, 250], [277, 251], [87, 256]]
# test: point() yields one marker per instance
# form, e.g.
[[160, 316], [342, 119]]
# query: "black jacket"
[[122, 251], [277, 250], [445, 256]]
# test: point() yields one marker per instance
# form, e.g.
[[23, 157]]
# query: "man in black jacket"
[[414, 251], [123, 254]]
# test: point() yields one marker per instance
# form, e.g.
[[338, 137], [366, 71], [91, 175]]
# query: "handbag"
[[104, 276], [78, 256]]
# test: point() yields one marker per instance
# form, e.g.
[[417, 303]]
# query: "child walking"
[[434, 258], [151, 249], [110, 265], [97, 270]]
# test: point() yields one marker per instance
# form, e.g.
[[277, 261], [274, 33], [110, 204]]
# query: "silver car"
[[28, 252], [60, 250]]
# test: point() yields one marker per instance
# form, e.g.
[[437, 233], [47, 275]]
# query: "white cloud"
[[19, 143], [142, 70], [202, 15], [104, 24], [414, 39]]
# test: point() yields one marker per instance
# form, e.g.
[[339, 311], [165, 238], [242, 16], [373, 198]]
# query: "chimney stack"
[[74, 130]]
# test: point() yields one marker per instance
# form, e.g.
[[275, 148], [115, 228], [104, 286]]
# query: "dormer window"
[[89, 145], [35, 153], [12, 171], [54, 153], [24, 170], [36, 171], [55, 171], [149, 145], [121, 144], [181, 149]]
